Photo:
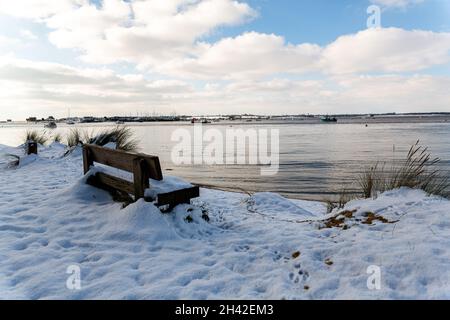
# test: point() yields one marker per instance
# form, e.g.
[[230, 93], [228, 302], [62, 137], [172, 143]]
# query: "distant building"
[[87, 119]]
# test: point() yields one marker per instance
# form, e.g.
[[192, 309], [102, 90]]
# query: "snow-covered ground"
[[257, 247]]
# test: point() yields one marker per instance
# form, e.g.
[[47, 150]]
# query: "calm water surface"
[[316, 160]]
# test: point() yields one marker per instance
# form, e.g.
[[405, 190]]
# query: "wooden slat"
[[177, 197], [107, 182], [87, 161], [113, 158], [124, 160]]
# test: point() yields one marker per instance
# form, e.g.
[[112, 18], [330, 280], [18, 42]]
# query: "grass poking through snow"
[[36, 136], [74, 138], [122, 137], [57, 137], [419, 170]]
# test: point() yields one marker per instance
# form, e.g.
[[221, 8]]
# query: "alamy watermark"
[[374, 279], [229, 147], [73, 282], [374, 19]]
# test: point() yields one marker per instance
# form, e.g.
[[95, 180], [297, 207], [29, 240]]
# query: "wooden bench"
[[142, 166]]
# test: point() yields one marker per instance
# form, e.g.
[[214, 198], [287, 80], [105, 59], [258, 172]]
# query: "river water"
[[317, 161]]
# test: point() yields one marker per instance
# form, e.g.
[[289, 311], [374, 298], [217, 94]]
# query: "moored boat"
[[328, 119], [51, 125]]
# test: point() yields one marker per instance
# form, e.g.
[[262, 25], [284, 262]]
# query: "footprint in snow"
[[277, 256], [241, 248], [298, 274], [299, 277]]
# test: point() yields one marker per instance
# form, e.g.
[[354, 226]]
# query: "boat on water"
[[51, 125], [70, 122], [120, 122], [202, 121], [328, 119]]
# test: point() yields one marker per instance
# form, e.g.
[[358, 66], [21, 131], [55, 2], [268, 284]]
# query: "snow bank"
[[224, 245], [273, 203], [140, 220]]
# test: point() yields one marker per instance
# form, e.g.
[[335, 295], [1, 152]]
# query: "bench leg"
[[141, 178]]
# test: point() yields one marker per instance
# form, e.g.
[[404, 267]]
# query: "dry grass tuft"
[[57, 137], [122, 137], [342, 199], [417, 171], [36, 136], [74, 138]]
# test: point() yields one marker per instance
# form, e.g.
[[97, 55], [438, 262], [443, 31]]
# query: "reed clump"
[[36, 136], [74, 138], [419, 170], [57, 137], [121, 137]]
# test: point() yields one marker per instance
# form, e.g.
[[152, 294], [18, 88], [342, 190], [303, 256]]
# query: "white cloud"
[[249, 55], [43, 85], [37, 9], [36, 88], [344, 94], [28, 35], [166, 37], [386, 50], [144, 32], [396, 3], [256, 55], [251, 72], [7, 41], [417, 93]]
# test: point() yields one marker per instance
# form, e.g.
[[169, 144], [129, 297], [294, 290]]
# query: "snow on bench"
[[143, 168]]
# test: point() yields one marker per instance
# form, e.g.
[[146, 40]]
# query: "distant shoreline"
[[343, 119]]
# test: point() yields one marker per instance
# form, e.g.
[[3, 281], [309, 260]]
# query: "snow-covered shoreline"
[[253, 247]]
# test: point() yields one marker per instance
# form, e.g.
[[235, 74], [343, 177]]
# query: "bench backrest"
[[123, 160], [142, 166]]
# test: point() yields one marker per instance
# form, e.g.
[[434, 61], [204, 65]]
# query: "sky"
[[143, 57]]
